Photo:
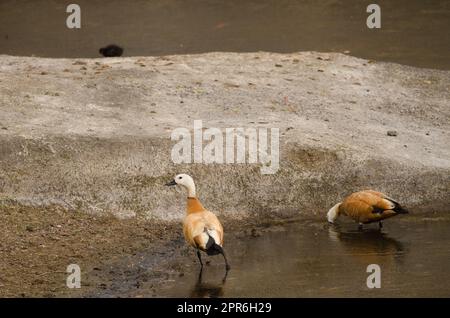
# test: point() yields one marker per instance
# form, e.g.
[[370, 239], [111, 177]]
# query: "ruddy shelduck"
[[201, 228], [365, 207]]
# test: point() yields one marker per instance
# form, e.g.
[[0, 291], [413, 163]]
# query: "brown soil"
[[38, 244]]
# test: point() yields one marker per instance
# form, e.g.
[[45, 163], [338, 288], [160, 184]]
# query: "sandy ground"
[[94, 134]]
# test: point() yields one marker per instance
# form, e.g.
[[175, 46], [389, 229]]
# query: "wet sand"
[[305, 259]]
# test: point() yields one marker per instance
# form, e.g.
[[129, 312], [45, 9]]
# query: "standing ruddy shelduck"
[[366, 206], [201, 228]]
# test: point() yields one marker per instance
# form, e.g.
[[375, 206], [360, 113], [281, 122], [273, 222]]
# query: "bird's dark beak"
[[171, 183]]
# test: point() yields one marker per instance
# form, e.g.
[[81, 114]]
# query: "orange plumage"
[[199, 224], [366, 207], [201, 228]]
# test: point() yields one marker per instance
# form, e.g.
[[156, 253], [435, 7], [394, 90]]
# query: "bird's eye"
[[180, 177]]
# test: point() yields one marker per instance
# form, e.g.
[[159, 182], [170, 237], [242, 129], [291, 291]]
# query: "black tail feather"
[[401, 210], [211, 247], [398, 208]]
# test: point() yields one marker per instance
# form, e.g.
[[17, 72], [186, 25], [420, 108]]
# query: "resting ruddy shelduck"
[[365, 207], [201, 228]]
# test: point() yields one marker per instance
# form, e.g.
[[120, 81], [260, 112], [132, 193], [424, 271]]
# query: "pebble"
[[79, 63], [392, 133]]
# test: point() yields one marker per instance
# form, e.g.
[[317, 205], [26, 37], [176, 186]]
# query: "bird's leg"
[[224, 279], [199, 279], [360, 227], [200, 259], [227, 266], [380, 225], [221, 251]]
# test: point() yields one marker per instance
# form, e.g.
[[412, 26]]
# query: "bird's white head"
[[186, 181]]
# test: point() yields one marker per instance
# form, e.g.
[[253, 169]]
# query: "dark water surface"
[[313, 260], [413, 32], [306, 259]]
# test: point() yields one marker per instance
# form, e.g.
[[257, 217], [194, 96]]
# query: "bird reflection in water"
[[368, 246], [208, 290]]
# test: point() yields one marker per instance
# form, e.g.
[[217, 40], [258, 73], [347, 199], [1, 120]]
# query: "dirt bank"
[[94, 134]]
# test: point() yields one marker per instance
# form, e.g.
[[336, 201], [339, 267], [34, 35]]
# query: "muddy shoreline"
[[138, 258], [293, 258], [38, 244]]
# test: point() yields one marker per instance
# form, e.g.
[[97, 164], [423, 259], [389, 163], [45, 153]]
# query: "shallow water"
[[413, 32], [312, 260]]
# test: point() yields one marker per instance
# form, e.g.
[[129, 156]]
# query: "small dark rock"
[[392, 133], [255, 233], [111, 50]]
